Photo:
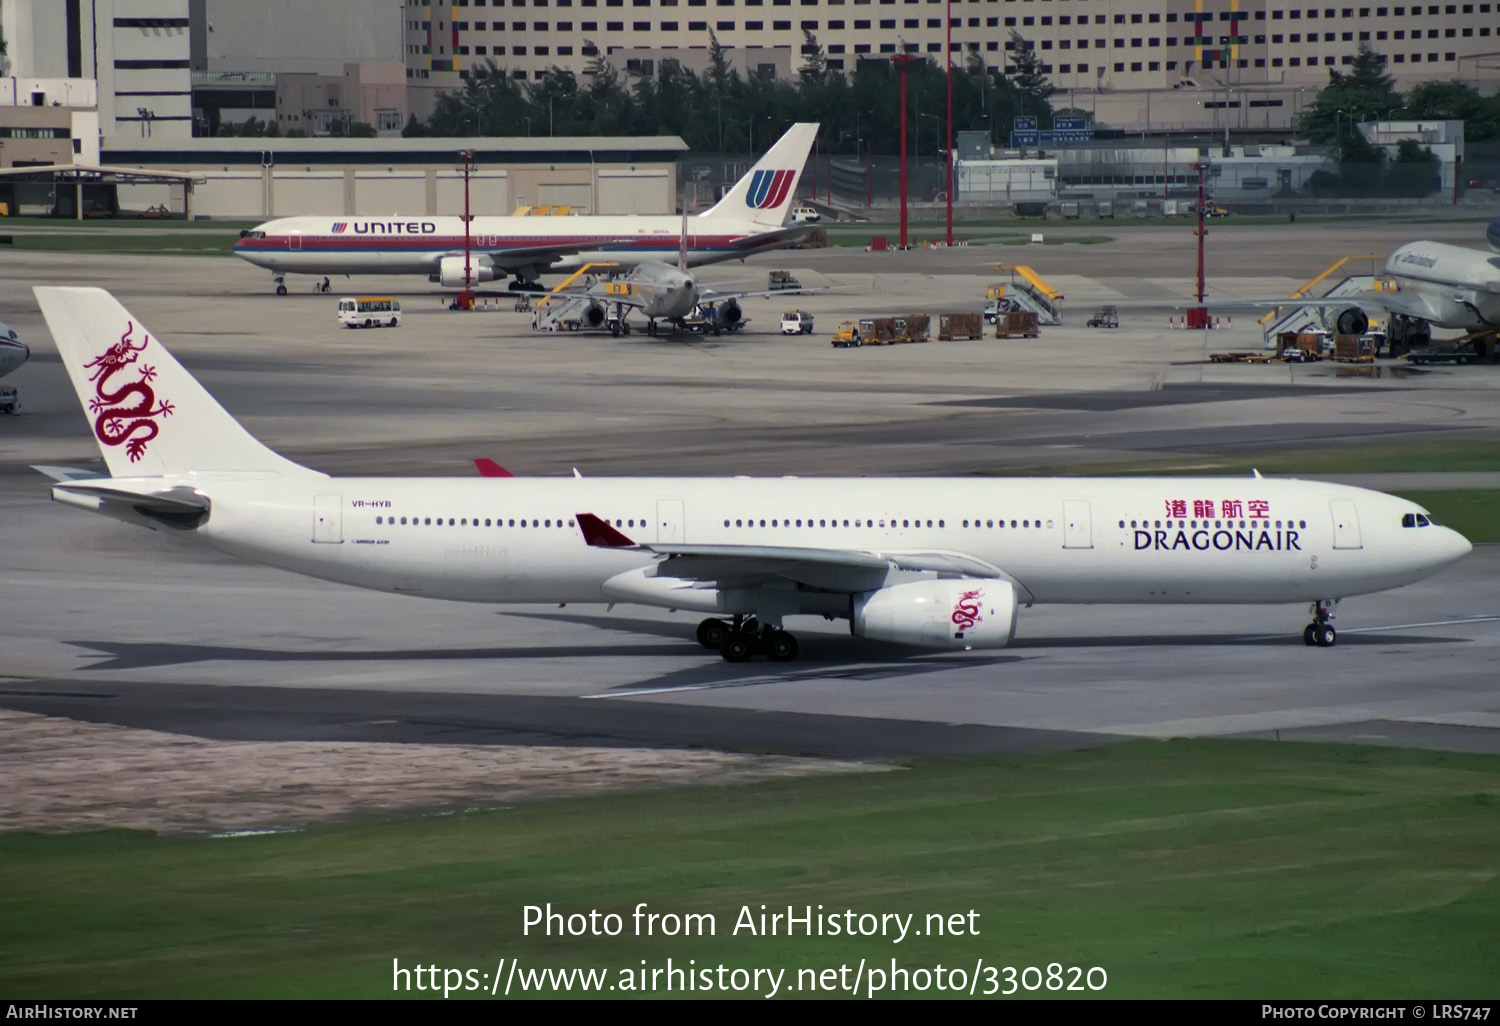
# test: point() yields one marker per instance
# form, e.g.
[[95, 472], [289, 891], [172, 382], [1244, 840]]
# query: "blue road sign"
[[1019, 139], [1068, 135], [1023, 124], [1072, 123]]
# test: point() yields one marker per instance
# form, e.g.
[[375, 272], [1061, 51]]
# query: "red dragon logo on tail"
[[966, 610], [114, 421]]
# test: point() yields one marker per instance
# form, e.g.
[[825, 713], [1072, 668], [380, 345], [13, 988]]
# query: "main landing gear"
[[745, 637], [1320, 632]]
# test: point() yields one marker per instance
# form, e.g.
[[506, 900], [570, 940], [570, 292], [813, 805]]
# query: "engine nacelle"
[[938, 614], [1351, 321], [451, 271], [728, 313], [593, 316]]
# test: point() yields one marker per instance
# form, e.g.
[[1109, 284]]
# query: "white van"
[[805, 215], [369, 312], [797, 322]]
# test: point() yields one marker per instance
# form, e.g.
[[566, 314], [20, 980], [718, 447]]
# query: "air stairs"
[[1030, 291], [1300, 319], [564, 311]]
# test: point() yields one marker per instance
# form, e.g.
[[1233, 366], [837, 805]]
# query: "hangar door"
[[307, 192], [634, 192], [230, 194], [579, 197], [390, 193], [489, 193]]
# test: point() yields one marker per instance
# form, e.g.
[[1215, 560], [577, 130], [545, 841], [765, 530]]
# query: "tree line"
[[722, 111]]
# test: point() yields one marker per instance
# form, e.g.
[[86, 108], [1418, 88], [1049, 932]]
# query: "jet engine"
[[593, 316], [728, 313], [451, 271], [1351, 321], [948, 614]]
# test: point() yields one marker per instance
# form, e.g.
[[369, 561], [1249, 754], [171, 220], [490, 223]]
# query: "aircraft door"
[[1345, 525], [328, 518], [294, 241], [1078, 524], [669, 520]]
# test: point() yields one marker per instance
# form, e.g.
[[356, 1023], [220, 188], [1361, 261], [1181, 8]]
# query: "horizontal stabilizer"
[[68, 473]]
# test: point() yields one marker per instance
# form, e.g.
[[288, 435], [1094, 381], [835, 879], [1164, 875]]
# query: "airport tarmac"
[[104, 623]]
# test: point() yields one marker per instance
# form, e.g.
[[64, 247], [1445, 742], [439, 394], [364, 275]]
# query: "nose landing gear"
[[1320, 632]]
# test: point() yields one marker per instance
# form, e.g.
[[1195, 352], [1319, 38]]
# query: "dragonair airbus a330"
[[748, 220], [931, 562]]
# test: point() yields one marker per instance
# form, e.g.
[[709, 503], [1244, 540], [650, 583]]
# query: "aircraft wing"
[[743, 565], [776, 237], [713, 296], [1396, 301], [522, 256]]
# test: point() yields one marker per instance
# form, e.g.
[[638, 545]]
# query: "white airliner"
[[937, 563], [748, 220], [662, 292], [13, 352], [1437, 285]]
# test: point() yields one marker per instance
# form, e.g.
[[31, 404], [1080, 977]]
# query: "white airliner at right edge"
[[941, 563]]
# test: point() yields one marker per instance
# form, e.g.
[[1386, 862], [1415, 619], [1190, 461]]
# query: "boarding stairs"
[[562, 313], [1296, 319], [1030, 291]]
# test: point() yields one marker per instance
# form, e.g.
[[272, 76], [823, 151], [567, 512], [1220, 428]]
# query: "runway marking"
[[1389, 627], [674, 688]]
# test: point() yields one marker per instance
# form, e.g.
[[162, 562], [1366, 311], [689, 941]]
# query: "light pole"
[[902, 60], [466, 297], [528, 126], [551, 124], [948, 57]]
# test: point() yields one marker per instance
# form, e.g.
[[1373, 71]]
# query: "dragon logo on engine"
[[115, 422], [966, 611]]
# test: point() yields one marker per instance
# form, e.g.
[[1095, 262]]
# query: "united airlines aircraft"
[[931, 562], [748, 220]]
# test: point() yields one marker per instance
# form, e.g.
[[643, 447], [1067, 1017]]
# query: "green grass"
[[174, 242], [1476, 454], [126, 221], [1472, 512], [1198, 869]]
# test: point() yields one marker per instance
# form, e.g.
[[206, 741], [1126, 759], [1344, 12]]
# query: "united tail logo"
[[340, 226], [768, 189]]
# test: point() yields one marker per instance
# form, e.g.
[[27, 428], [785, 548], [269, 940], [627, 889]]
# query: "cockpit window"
[[1421, 520], [1409, 520]]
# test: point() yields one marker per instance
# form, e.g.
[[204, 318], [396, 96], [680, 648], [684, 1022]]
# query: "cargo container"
[[1353, 349], [1018, 324], [911, 328], [960, 325], [877, 331]]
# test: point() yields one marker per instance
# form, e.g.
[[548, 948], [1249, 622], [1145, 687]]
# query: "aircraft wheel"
[[781, 647], [281, 290], [713, 633], [1324, 635], [736, 648], [1307, 634], [614, 329]]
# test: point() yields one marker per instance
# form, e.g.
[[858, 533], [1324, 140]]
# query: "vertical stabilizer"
[[766, 193], [149, 416]]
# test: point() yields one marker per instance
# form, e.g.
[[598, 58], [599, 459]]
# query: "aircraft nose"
[[1455, 545]]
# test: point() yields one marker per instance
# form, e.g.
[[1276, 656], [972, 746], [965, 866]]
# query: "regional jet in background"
[[748, 220], [660, 292], [930, 562], [13, 353], [1437, 286]]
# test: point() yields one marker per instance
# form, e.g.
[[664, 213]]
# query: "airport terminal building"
[[1172, 64]]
